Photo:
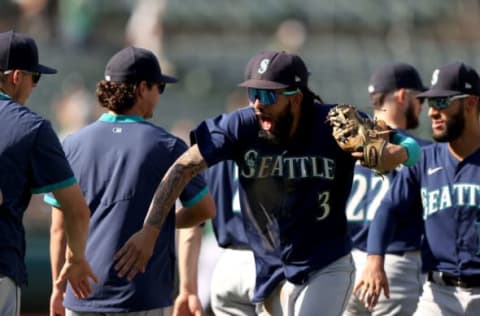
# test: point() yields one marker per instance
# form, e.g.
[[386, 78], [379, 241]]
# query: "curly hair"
[[117, 97]]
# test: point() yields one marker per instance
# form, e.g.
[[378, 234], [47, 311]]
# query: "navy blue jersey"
[[368, 190], [31, 161], [449, 192], [296, 193], [119, 162], [229, 226]]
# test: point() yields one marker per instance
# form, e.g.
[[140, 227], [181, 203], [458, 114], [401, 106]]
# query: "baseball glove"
[[355, 133]]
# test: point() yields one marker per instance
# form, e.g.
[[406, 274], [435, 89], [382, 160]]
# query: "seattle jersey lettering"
[[459, 194], [290, 167]]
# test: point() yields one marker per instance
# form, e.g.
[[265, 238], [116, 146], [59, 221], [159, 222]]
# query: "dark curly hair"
[[117, 97]]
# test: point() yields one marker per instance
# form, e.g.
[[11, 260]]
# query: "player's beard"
[[453, 129], [283, 124], [410, 115]]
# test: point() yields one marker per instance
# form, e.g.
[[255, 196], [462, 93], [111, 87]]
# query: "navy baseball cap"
[[453, 79], [133, 64], [275, 70], [19, 51], [395, 76]]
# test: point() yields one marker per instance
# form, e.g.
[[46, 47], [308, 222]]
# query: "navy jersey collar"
[[118, 118]]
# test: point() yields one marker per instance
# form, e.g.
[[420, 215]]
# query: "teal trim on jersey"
[[53, 202], [410, 145], [50, 200], [56, 186], [117, 118], [196, 199], [5, 96]]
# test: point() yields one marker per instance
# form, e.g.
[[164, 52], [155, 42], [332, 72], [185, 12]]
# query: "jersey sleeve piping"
[[55, 186], [200, 195]]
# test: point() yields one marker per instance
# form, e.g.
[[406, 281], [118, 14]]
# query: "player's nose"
[[432, 112]]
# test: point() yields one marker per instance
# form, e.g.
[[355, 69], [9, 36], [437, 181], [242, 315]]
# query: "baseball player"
[[296, 180], [230, 293], [446, 183], [119, 160], [393, 89], [32, 161]]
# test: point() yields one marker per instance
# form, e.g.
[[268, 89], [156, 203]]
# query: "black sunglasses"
[[36, 77], [161, 87], [444, 102]]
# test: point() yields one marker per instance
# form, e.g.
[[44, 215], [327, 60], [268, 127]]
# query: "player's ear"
[[471, 104], [400, 95], [16, 77], [141, 87]]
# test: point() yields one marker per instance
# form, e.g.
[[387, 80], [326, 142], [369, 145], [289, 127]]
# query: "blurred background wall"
[[206, 43]]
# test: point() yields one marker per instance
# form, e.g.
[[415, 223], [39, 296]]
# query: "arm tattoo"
[[178, 175]]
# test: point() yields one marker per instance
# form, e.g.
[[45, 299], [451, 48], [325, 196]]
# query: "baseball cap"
[[19, 51], [275, 70], [133, 64], [453, 79], [393, 76]]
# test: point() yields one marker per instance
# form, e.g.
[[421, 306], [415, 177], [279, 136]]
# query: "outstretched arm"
[[187, 302], [58, 243], [76, 217], [134, 255]]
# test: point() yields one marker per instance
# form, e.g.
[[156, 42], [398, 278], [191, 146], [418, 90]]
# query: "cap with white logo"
[[275, 70], [453, 79]]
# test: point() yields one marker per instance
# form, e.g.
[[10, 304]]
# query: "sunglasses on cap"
[[35, 75], [443, 103], [266, 96]]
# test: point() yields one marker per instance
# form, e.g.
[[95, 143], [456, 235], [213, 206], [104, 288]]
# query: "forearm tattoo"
[[178, 175]]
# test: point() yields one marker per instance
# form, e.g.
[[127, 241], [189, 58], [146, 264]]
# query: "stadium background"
[[206, 44]]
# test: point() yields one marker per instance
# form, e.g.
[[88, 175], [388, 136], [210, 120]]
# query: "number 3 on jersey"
[[323, 205], [367, 193]]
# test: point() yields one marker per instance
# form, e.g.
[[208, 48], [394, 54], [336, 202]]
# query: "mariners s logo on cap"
[[435, 76], [263, 66], [453, 79], [275, 70]]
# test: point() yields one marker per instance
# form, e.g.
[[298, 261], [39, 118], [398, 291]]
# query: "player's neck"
[[394, 120]]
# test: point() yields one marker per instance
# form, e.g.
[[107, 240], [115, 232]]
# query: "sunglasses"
[[443, 103], [266, 96], [35, 75], [161, 87]]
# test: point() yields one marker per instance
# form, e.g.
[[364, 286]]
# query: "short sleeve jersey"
[[31, 161], [449, 191], [119, 161], [368, 190], [234, 230], [296, 193]]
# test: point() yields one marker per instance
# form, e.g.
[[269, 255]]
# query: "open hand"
[[134, 255], [77, 272], [373, 280]]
